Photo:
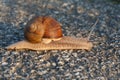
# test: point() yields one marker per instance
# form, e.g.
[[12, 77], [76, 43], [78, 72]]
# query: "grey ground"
[[76, 17]]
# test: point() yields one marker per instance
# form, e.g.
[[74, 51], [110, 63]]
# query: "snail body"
[[42, 28]]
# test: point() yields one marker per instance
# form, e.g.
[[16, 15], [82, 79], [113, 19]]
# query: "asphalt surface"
[[77, 18]]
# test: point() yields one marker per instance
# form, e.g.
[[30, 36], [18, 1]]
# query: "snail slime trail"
[[45, 33]]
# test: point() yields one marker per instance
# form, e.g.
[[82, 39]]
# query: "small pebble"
[[4, 63]]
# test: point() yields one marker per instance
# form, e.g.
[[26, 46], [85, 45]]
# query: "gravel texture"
[[76, 17]]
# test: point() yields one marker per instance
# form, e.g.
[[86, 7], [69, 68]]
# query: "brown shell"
[[42, 27], [53, 29]]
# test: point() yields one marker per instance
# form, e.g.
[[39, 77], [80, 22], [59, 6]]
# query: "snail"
[[43, 28], [45, 33]]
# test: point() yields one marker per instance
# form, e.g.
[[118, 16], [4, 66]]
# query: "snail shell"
[[42, 28]]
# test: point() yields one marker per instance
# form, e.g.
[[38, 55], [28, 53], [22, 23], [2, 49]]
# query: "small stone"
[[74, 54], [93, 13], [44, 72], [72, 64], [32, 71], [48, 64], [15, 52], [4, 63], [61, 63], [53, 64], [77, 73], [65, 4], [13, 69], [52, 78], [68, 74], [67, 59], [80, 9]]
